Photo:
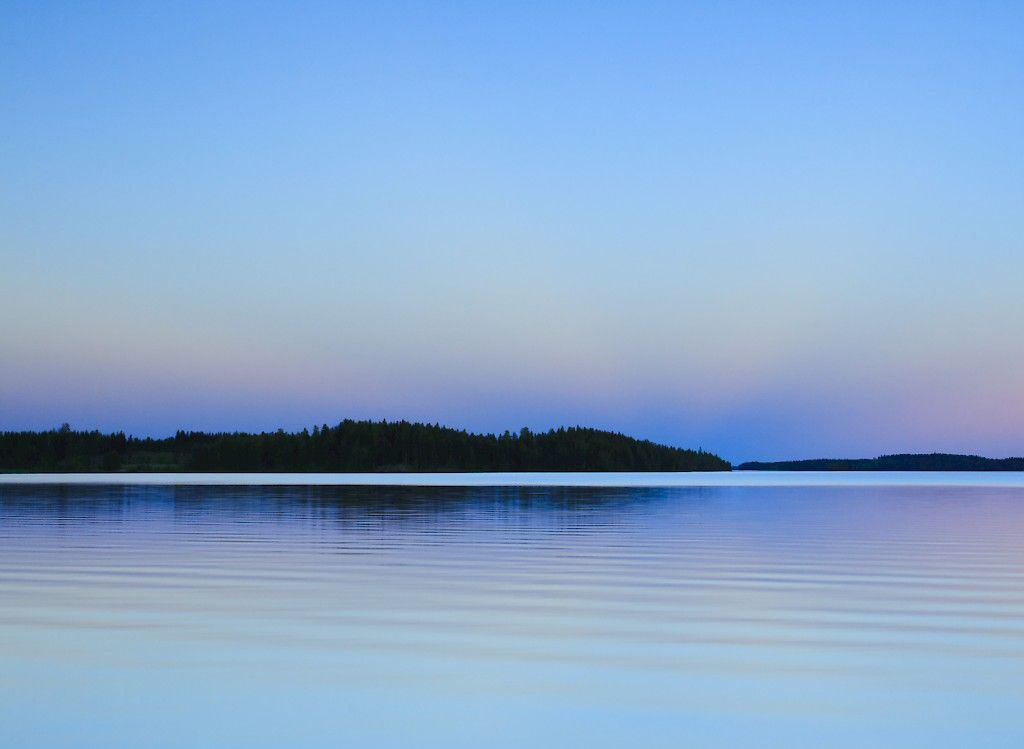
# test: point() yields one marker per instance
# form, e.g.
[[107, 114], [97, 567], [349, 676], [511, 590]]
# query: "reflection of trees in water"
[[557, 507]]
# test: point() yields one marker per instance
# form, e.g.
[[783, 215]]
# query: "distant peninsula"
[[348, 447], [904, 462]]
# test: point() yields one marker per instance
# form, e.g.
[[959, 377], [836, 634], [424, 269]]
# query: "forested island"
[[905, 462], [351, 446]]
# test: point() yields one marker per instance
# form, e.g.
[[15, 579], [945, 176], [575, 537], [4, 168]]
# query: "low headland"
[[348, 447], [903, 462]]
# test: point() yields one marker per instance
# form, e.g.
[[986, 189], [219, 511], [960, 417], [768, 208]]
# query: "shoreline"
[[687, 479]]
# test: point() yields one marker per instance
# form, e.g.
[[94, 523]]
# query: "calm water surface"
[[389, 616]]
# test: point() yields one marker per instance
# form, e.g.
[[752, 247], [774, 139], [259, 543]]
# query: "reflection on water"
[[399, 616]]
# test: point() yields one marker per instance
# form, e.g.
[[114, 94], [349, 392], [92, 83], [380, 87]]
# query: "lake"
[[667, 610]]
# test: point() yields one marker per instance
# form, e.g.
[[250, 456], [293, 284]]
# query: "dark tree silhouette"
[[351, 446], [904, 462]]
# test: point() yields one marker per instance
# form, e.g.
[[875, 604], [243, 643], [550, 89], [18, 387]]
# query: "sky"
[[771, 230]]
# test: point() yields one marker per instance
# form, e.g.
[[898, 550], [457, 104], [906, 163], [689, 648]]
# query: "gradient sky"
[[769, 229]]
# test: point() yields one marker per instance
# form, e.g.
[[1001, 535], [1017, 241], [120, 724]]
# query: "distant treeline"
[[929, 462], [351, 446]]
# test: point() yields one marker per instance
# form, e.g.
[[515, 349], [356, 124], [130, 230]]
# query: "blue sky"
[[769, 229]]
